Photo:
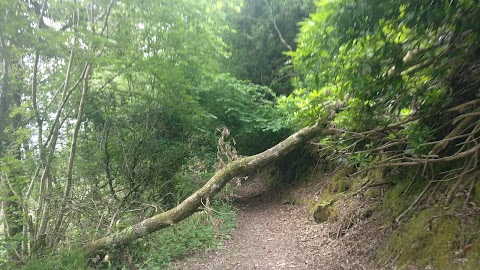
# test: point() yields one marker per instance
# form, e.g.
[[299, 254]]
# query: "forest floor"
[[275, 233]]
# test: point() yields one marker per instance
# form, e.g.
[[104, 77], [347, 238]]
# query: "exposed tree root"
[[414, 202], [460, 145]]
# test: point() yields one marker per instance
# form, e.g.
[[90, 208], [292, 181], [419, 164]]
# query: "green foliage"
[[7, 246], [145, 138], [147, 120], [246, 109], [256, 49], [418, 135], [363, 65], [202, 231], [73, 259], [306, 107], [366, 52], [188, 181], [156, 96]]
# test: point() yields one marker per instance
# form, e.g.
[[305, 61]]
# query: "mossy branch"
[[209, 190]]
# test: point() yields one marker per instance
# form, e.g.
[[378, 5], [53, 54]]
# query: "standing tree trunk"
[[9, 197], [73, 147], [209, 190], [5, 190], [46, 187], [4, 91]]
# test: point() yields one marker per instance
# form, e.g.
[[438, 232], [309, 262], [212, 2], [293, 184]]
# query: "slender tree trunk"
[[4, 188], [38, 119], [209, 190], [280, 36], [108, 171], [10, 199], [4, 92], [46, 179], [73, 147]]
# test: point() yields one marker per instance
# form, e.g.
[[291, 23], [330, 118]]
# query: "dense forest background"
[[113, 111]]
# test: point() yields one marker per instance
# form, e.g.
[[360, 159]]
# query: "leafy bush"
[[365, 65]]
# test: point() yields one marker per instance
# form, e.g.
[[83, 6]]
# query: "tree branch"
[[276, 27], [210, 189]]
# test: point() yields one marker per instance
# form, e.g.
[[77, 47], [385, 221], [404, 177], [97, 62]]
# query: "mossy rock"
[[292, 200], [339, 184], [373, 193], [323, 211]]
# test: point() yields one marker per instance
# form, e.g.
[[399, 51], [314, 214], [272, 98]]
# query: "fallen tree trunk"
[[213, 186]]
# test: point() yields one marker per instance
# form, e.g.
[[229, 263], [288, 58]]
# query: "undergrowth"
[[433, 234], [437, 237], [71, 259], [202, 231]]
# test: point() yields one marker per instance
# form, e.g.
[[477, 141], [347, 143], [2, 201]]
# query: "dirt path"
[[273, 234]]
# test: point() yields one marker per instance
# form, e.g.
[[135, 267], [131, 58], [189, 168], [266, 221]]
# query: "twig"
[[467, 115], [276, 27], [414, 203], [464, 105], [472, 186], [370, 186], [467, 168], [411, 182]]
